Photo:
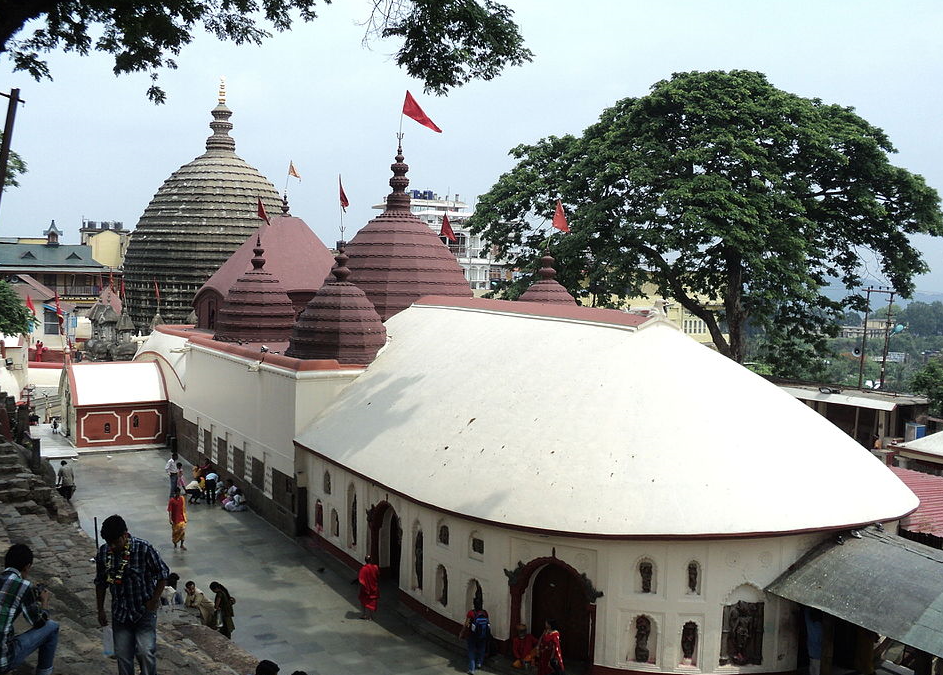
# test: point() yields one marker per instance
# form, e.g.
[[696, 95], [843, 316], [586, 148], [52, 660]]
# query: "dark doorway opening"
[[558, 594]]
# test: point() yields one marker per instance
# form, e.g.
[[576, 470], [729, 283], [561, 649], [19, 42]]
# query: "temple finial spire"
[[222, 90]]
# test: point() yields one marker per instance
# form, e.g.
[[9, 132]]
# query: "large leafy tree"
[[929, 382], [15, 167], [718, 185], [445, 43], [14, 317]]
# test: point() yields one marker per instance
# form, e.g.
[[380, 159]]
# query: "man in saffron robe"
[[177, 511], [369, 578]]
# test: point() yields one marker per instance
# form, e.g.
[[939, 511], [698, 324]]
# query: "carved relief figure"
[[643, 628], [743, 634], [418, 559], [645, 571], [692, 577], [688, 642]]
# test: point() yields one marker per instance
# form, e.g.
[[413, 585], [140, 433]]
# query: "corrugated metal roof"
[[66, 257], [928, 517], [854, 398], [931, 444], [881, 581]]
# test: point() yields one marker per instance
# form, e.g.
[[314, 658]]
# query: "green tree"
[[15, 167], [719, 185], [923, 318], [445, 43], [929, 382], [14, 317]]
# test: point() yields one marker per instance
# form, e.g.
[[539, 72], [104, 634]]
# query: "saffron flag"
[[446, 230], [292, 171], [59, 315], [30, 306], [559, 218], [157, 292], [412, 109], [344, 201], [261, 211]]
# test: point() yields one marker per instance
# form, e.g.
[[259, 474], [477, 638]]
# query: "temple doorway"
[[386, 544], [559, 594]]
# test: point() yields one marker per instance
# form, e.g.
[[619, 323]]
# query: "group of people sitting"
[[216, 613], [205, 487]]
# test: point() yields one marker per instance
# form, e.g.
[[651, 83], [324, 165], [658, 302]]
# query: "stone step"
[[11, 459]]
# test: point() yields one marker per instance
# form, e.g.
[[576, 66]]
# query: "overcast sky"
[[96, 148]]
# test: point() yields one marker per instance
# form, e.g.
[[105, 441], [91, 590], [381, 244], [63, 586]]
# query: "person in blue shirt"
[[136, 575], [21, 597]]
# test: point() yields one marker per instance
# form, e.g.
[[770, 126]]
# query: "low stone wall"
[[33, 513]]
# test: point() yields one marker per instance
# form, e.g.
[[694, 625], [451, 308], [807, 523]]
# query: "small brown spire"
[[341, 271], [547, 289], [285, 205], [398, 200], [258, 262], [546, 270]]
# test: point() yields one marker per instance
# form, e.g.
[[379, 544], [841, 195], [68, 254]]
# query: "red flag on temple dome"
[[412, 109], [30, 306], [157, 292], [344, 201], [261, 212], [446, 230], [559, 218]]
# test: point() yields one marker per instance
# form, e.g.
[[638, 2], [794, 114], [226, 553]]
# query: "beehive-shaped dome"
[[547, 289], [197, 219], [256, 308], [338, 323], [396, 259]]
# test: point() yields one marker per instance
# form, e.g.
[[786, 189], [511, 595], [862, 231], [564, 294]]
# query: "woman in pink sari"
[[369, 578]]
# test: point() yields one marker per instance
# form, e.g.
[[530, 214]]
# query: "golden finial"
[[222, 90]]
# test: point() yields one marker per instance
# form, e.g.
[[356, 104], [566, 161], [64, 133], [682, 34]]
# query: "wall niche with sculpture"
[[689, 644], [644, 640], [692, 584], [742, 634], [645, 576]]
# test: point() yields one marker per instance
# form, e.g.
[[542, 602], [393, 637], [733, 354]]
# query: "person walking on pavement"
[[21, 597], [65, 480], [171, 469], [477, 630], [369, 577], [134, 571], [177, 511]]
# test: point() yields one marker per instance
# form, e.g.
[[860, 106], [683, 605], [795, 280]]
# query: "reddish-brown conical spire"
[[338, 323], [548, 289], [396, 259], [256, 308]]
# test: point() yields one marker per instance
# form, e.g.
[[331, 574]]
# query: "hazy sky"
[[97, 148]]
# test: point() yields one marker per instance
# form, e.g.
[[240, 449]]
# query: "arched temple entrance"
[[557, 591], [386, 539]]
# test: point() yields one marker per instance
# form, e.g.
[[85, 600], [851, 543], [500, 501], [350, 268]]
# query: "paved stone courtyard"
[[294, 607]]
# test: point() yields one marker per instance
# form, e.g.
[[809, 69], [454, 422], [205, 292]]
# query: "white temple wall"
[[727, 571]]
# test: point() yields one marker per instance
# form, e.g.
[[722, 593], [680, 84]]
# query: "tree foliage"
[[923, 318], [14, 317], [929, 382], [718, 185], [446, 43], [15, 167]]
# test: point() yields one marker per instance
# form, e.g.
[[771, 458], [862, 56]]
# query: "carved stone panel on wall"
[[742, 635]]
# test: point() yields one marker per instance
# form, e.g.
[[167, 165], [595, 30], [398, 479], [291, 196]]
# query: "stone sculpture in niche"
[[688, 643], [418, 558], [692, 577], [645, 571], [742, 634], [643, 628]]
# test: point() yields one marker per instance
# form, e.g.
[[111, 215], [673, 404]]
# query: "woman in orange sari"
[[549, 654], [177, 511]]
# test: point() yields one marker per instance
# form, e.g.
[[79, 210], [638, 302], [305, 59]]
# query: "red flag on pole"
[[344, 201], [59, 315], [261, 212], [559, 218], [121, 294], [30, 306], [446, 230], [157, 292], [412, 109], [292, 171]]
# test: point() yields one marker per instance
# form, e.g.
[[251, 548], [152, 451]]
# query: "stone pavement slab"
[[286, 610]]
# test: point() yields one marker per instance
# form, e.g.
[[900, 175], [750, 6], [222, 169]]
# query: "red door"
[[557, 594]]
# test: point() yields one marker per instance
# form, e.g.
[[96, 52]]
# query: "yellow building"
[[108, 241]]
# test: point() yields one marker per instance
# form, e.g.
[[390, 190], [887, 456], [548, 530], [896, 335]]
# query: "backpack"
[[480, 625]]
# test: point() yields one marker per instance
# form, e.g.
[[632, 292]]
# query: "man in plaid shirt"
[[19, 596], [137, 576]]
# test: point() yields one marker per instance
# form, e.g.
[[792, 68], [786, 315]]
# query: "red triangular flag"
[[121, 294], [412, 109], [559, 218], [446, 230], [30, 306], [344, 201], [157, 292], [261, 212]]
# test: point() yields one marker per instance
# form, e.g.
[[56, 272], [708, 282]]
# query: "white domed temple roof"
[[582, 424]]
